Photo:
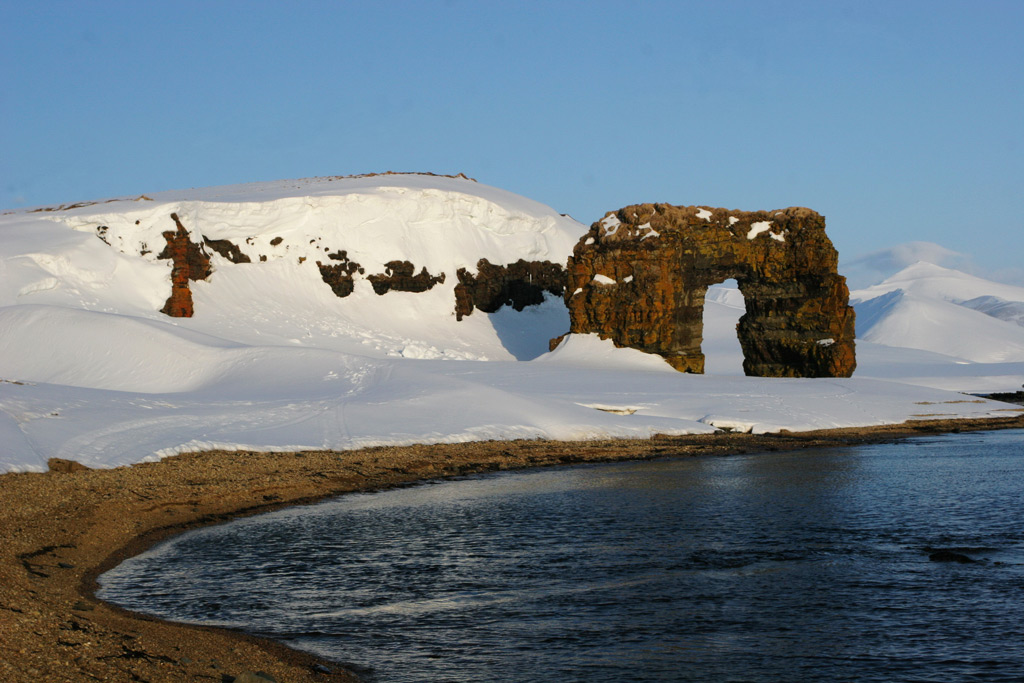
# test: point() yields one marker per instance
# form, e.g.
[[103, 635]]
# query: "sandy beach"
[[62, 529]]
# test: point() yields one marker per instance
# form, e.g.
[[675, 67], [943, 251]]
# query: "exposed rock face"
[[228, 250], [398, 276], [188, 262], [640, 274], [518, 285], [339, 276]]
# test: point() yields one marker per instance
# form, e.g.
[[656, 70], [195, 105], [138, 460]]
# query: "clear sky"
[[899, 121]]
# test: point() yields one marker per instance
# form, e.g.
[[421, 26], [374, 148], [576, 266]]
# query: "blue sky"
[[900, 121]]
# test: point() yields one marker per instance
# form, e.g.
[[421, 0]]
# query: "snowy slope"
[[922, 322], [868, 269], [91, 370], [933, 281], [438, 223], [944, 311]]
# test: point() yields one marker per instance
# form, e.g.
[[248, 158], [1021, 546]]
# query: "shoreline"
[[60, 530]]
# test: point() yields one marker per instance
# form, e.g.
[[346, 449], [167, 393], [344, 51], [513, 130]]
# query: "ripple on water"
[[811, 565]]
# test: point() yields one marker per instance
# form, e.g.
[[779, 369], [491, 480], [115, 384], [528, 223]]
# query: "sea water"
[[815, 565]]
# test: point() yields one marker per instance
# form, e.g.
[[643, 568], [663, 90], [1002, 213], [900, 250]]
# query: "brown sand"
[[60, 530]]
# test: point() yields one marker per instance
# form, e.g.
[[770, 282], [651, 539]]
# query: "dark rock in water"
[[949, 556], [640, 275]]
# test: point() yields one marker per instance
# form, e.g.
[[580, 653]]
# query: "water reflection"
[[781, 566]]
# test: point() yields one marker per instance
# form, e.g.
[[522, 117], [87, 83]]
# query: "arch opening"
[[723, 306]]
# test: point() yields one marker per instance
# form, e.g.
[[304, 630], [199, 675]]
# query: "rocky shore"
[[60, 530]]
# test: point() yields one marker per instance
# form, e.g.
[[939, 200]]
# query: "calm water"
[[810, 566]]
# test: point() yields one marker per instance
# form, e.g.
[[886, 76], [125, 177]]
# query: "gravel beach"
[[62, 529]]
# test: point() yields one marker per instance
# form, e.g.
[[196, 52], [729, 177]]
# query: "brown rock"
[[518, 285], [398, 276], [189, 262], [639, 277], [339, 276], [228, 250]]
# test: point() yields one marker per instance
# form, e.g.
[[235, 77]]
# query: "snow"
[[762, 226], [934, 281], [611, 224], [651, 233], [757, 228], [603, 280], [996, 307], [944, 311], [868, 269], [647, 231], [91, 371]]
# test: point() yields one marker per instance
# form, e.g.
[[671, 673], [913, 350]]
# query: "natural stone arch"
[[639, 278]]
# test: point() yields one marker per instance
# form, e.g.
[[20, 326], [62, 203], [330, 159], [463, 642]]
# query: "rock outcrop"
[[518, 285], [188, 262], [228, 250], [399, 276], [639, 277], [340, 276]]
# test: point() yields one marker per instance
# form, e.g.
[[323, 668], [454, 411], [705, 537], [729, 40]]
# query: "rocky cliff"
[[639, 277]]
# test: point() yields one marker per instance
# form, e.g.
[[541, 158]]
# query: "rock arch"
[[639, 277]]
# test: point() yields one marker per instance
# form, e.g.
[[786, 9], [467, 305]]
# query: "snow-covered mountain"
[[868, 269], [929, 307], [274, 358]]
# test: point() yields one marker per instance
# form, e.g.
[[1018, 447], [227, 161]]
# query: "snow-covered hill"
[[973, 323], [864, 270], [104, 257], [91, 370]]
